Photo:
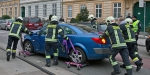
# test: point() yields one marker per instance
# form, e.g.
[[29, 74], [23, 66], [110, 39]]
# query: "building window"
[[70, 11], [29, 11], [16, 12], [44, 10], [36, 10], [82, 6], [98, 10], [54, 9], [2, 12], [6, 11], [10, 11], [117, 10]]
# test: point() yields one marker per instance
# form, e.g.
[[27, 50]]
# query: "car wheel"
[[28, 46], [80, 57]]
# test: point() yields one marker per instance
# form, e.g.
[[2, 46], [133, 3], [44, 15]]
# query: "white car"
[[5, 24]]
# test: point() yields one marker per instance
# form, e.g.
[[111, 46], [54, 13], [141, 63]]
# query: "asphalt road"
[[97, 67]]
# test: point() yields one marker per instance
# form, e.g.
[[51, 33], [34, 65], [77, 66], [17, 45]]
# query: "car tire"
[[28, 46], [0, 28], [82, 59]]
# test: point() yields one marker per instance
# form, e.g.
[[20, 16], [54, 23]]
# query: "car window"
[[85, 28], [102, 27], [68, 30], [11, 21], [34, 20]]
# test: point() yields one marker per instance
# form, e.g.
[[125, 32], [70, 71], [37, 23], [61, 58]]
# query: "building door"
[[139, 12], [23, 11]]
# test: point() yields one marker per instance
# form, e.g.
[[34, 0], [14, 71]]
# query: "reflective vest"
[[115, 36], [52, 32], [135, 26], [16, 29], [128, 34]]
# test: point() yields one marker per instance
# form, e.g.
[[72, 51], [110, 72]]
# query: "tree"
[[83, 15], [6, 17], [50, 17]]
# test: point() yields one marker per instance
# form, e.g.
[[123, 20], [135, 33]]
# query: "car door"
[[71, 34]]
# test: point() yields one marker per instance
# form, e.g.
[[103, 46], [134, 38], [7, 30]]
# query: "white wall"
[[25, 1], [40, 5]]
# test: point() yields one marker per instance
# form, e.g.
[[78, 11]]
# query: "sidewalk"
[[19, 67]]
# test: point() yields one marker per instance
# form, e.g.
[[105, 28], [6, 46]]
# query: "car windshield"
[[102, 27], [35, 20], [84, 28], [11, 21]]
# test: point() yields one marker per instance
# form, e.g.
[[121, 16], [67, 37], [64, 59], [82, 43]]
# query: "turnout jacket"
[[136, 26], [128, 33], [114, 33], [16, 29], [52, 32]]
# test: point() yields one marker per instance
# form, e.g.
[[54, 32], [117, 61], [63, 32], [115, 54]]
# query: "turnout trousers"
[[48, 47], [14, 41], [125, 56], [133, 52]]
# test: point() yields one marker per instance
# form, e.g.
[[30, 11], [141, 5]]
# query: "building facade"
[[99, 8], [40, 8], [9, 7], [142, 13]]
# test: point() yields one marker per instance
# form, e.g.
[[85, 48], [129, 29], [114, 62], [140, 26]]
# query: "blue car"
[[84, 38]]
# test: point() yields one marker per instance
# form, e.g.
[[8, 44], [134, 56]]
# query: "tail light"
[[40, 24], [99, 40], [8, 23], [30, 24]]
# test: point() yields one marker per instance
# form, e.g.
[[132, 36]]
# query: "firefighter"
[[93, 21], [52, 31], [113, 31], [129, 37], [14, 36]]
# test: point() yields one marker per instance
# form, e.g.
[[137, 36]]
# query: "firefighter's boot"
[[129, 72], [48, 62], [55, 60], [115, 72], [8, 55], [139, 67], [122, 66], [13, 55]]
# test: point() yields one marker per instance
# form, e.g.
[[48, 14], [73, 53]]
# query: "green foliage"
[[73, 20], [50, 17], [83, 15], [6, 17], [147, 29]]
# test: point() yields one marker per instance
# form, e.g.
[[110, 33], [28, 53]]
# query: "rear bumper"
[[102, 50]]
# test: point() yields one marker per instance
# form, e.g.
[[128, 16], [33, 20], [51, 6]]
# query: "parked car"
[[32, 23], [6, 24], [85, 39]]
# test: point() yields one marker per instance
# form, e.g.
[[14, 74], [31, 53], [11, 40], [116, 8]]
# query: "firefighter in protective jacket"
[[114, 32], [93, 22], [14, 36], [52, 31], [129, 37]]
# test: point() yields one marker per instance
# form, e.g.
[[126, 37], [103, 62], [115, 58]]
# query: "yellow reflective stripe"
[[135, 25], [48, 56], [60, 30], [17, 23], [135, 59], [117, 37], [112, 63], [135, 53], [19, 30], [54, 32], [47, 39], [106, 32], [51, 26], [55, 54], [12, 27], [13, 51], [116, 27], [8, 50], [129, 40], [25, 29], [119, 45], [129, 67], [14, 35]]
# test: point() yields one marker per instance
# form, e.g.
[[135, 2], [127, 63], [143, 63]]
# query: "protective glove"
[[100, 36], [66, 38]]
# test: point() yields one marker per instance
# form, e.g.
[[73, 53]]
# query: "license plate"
[[36, 24]]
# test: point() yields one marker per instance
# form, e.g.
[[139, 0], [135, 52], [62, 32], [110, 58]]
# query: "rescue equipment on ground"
[[78, 65]]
